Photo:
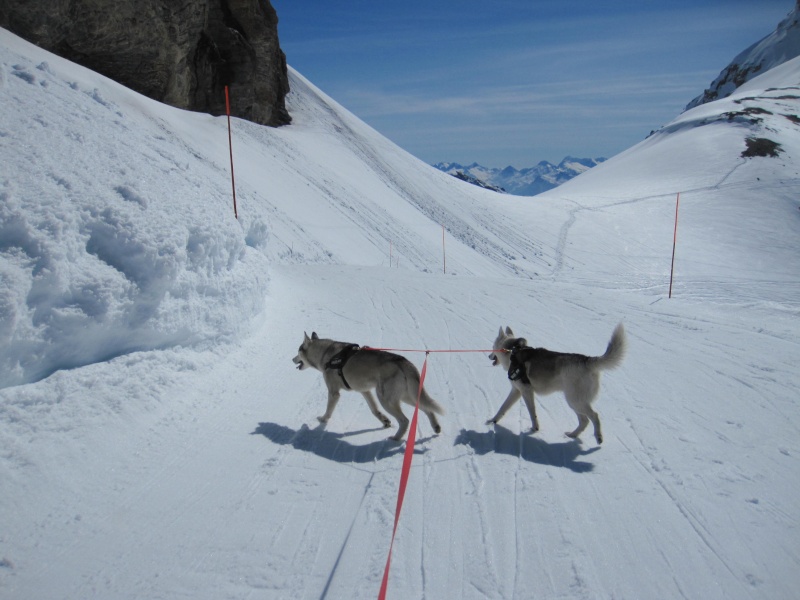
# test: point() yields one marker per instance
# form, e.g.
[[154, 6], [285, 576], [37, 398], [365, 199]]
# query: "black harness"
[[340, 360], [516, 367]]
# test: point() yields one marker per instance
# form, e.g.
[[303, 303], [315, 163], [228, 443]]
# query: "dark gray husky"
[[544, 371], [347, 366]]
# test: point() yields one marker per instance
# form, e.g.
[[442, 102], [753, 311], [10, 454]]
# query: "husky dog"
[[393, 377], [544, 371]]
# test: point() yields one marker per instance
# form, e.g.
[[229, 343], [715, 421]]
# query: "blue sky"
[[513, 82]]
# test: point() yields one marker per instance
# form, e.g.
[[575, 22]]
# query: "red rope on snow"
[[427, 351], [407, 456]]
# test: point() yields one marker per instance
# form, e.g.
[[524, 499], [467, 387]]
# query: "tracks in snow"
[[240, 469]]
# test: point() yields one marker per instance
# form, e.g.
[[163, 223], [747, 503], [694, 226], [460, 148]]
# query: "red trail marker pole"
[[230, 147], [674, 241], [444, 254]]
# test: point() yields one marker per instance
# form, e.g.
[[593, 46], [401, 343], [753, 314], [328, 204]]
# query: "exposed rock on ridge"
[[180, 52], [781, 45]]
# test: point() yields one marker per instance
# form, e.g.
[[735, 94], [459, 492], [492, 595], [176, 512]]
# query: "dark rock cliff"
[[180, 52]]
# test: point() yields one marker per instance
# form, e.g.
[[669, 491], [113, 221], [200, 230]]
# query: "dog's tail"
[[615, 351], [428, 403], [412, 377]]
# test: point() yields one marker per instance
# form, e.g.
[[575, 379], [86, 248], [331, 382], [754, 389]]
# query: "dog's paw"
[[438, 429], [386, 423], [571, 434], [394, 438], [322, 419], [599, 439], [491, 422]]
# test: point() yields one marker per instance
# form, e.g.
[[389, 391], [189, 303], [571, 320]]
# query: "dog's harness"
[[516, 367], [340, 360]]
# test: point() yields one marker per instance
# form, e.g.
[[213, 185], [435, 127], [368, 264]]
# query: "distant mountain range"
[[778, 47], [523, 182]]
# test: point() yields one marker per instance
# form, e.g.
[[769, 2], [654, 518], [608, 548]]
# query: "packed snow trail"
[[232, 489]]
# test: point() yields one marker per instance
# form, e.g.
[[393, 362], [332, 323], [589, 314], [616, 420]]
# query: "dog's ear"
[[500, 333], [508, 331], [314, 335], [305, 337]]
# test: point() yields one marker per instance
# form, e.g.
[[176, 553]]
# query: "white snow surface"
[[157, 442]]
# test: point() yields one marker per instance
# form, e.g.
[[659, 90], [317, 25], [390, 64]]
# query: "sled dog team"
[[395, 379]]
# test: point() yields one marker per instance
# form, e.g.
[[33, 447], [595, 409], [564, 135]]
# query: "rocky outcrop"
[[775, 49], [180, 52]]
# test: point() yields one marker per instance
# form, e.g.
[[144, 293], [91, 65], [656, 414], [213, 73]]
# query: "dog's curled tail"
[[615, 351]]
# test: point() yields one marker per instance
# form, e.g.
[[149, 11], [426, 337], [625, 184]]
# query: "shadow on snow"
[[527, 447], [333, 446]]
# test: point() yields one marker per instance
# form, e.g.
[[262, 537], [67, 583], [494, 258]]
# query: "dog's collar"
[[516, 366]]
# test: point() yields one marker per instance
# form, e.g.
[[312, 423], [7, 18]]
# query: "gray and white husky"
[[347, 366], [544, 371]]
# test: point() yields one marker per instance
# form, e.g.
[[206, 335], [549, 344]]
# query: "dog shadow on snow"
[[500, 440], [332, 445]]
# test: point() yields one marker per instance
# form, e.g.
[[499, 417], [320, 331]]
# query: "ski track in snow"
[[692, 519], [561, 251], [482, 570]]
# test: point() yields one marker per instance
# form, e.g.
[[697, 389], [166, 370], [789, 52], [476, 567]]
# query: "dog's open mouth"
[[493, 358], [300, 365]]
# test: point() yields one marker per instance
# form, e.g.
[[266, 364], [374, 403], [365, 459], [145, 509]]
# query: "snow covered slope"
[[738, 215], [118, 228], [156, 441]]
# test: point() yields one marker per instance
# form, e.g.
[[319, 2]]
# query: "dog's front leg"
[[333, 398], [373, 406], [513, 396], [527, 395]]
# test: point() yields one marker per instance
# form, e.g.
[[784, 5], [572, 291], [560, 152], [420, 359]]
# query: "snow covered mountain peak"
[[521, 182], [774, 49]]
